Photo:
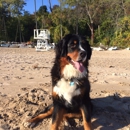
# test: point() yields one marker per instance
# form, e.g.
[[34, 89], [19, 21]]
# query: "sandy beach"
[[25, 89]]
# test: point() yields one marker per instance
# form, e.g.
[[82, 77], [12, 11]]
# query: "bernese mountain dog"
[[70, 83]]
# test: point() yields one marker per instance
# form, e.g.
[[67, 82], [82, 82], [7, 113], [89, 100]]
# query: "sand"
[[25, 89]]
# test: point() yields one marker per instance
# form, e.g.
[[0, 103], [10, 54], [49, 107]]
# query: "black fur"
[[78, 102]]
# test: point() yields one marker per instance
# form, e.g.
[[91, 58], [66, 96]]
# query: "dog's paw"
[[28, 124]]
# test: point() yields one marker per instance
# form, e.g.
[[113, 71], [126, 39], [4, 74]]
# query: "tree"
[[42, 16], [100, 20], [58, 23], [87, 10], [122, 36], [110, 13], [27, 27]]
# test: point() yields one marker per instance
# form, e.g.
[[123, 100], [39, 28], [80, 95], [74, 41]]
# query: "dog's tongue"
[[79, 66]]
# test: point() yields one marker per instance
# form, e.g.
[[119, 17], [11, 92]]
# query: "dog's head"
[[75, 48]]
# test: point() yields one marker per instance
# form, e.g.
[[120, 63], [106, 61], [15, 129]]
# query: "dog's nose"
[[83, 54]]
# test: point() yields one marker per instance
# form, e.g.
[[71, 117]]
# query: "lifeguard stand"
[[43, 38]]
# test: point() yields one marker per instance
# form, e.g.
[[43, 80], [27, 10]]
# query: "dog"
[[70, 83]]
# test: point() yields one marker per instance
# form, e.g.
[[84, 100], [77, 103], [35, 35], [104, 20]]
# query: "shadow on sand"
[[109, 113]]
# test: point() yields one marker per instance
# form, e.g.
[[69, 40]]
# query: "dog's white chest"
[[66, 89], [69, 71]]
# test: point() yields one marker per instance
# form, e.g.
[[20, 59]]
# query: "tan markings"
[[54, 95], [87, 125], [75, 42], [59, 118], [72, 115], [41, 116], [73, 55], [63, 63]]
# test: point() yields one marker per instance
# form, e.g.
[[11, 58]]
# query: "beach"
[[25, 89]]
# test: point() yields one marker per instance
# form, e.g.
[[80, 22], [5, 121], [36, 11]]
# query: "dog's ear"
[[87, 47], [61, 47], [89, 50]]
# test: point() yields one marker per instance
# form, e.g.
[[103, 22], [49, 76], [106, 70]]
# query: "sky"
[[31, 8]]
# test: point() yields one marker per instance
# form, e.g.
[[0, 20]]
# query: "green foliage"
[[17, 7], [122, 41], [57, 32], [122, 35], [107, 19], [104, 33], [42, 9], [27, 26], [109, 35]]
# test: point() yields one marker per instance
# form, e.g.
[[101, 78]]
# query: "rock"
[[114, 74]]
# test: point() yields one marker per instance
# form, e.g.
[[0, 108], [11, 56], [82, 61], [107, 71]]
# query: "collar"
[[72, 81]]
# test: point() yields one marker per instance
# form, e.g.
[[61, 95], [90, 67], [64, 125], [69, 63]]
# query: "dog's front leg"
[[57, 117], [86, 115]]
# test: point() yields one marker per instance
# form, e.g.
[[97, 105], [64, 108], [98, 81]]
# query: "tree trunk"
[[92, 32], [50, 6], [90, 24], [92, 36]]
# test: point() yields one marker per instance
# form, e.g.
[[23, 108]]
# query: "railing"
[[41, 34]]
